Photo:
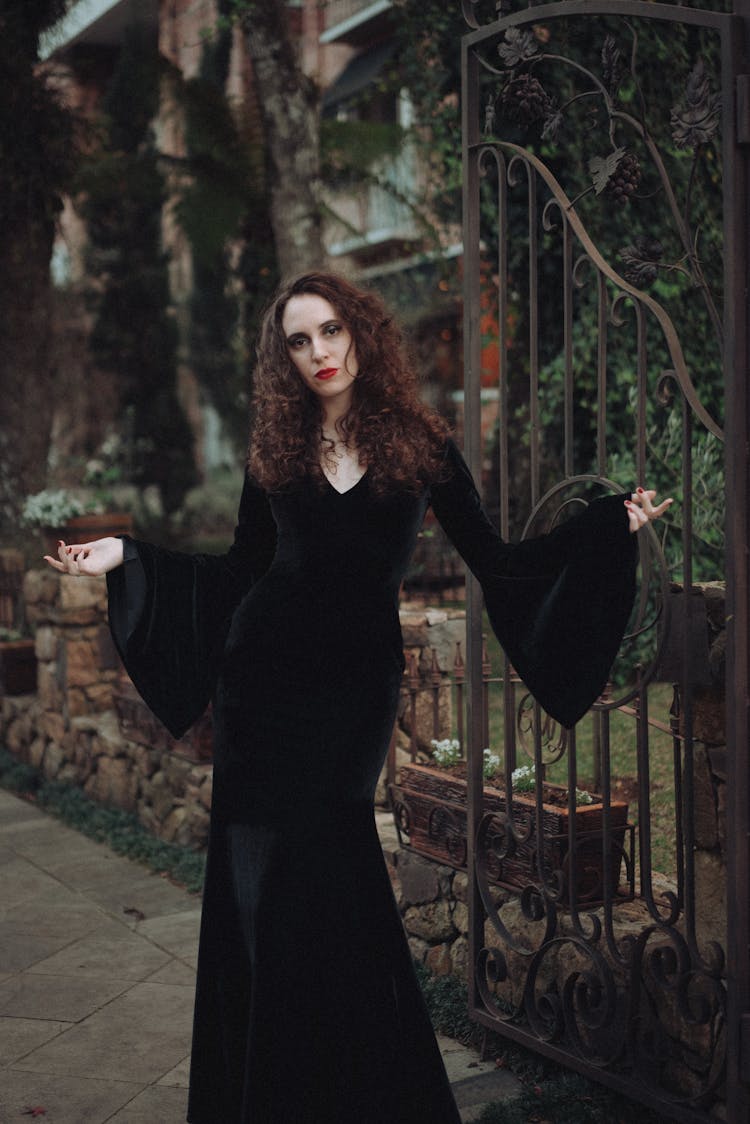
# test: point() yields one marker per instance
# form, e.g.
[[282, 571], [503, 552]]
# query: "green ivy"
[[223, 203], [121, 193]]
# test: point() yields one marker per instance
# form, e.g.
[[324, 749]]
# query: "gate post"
[[473, 450], [737, 366]]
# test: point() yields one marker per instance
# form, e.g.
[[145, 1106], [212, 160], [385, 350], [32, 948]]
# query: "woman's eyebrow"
[[325, 324]]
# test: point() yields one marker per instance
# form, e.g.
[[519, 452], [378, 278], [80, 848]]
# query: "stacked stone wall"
[[87, 726]]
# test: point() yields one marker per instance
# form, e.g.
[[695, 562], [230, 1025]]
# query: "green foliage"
[[37, 149], [351, 148], [16, 776], [120, 830], [567, 1098], [446, 1001], [428, 33], [223, 209], [607, 104], [121, 193]]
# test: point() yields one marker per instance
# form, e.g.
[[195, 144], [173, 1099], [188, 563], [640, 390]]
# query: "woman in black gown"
[[307, 1007]]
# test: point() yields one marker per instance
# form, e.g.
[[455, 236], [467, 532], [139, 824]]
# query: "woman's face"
[[321, 348]]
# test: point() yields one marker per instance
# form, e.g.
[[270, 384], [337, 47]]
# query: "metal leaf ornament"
[[613, 67], [553, 122], [517, 47], [602, 168], [695, 118], [641, 260]]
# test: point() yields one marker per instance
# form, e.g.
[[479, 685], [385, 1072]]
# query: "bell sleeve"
[[169, 612], [559, 604]]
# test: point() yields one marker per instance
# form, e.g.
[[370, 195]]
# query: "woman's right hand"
[[90, 560]]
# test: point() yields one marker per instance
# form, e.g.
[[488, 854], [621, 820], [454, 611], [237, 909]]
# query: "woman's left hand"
[[641, 510]]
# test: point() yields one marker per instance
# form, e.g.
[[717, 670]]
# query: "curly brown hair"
[[400, 439]]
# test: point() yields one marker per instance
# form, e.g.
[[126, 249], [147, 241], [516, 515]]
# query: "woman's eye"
[[297, 343], [333, 329]]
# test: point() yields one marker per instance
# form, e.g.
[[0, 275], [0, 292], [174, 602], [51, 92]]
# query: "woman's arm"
[[559, 603], [169, 611]]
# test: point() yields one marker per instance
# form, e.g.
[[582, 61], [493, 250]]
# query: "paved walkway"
[[97, 967]]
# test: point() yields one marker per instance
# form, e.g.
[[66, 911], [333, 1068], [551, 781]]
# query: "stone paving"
[[97, 967]]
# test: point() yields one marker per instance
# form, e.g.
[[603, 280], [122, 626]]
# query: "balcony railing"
[[354, 21], [382, 214]]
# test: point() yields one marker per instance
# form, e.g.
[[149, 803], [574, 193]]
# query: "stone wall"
[[87, 726]]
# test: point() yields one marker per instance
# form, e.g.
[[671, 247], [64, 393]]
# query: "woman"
[[307, 1007]]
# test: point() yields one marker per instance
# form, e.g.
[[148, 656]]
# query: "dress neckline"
[[346, 491]]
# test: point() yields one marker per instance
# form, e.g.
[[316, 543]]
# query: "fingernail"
[[60, 542], [639, 489]]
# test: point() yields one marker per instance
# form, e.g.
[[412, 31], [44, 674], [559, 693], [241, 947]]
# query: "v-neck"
[[347, 491]]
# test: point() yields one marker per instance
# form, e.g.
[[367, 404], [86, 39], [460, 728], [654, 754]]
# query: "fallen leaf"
[[138, 914]]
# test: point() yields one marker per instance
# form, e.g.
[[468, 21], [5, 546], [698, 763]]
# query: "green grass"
[[623, 758]]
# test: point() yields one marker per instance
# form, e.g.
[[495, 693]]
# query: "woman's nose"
[[320, 350]]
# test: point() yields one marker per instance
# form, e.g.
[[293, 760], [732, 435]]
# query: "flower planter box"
[[429, 808], [17, 667]]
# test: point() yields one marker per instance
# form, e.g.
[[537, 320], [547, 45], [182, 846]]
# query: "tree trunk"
[[36, 142], [290, 108]]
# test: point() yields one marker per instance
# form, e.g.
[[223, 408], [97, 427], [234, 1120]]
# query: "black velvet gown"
[[307, 1007]]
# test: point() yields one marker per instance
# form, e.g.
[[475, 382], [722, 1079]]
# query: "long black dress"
[[307, 1007]]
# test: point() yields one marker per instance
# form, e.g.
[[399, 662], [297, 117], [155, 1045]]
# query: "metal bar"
[[567, 268], [736, 162], [472, 386], [629, 8], [534, 426], [601, 376]]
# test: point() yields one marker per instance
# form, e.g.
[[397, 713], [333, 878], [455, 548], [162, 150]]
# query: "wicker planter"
[[17, 667], [429, 808]]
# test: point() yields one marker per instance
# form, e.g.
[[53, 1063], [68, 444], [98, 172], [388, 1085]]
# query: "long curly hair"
[[399, 439]]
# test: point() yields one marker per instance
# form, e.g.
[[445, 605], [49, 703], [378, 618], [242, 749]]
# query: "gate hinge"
[[743, 109], [744, 1059]]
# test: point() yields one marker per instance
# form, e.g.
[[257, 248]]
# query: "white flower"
[[490, 763], [446, 752], [50, 508], [523, 778]]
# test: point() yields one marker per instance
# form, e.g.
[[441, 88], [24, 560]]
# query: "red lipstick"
[[326, 373]]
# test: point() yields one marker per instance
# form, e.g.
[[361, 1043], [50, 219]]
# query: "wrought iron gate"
[[606, 278]]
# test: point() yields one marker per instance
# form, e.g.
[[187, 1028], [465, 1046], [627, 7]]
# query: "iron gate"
[[606, 270]]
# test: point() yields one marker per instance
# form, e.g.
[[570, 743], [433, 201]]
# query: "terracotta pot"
[[87, 528], [17, 667], [429, 808]]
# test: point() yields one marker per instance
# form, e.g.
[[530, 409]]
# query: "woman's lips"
[[326, 373]]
